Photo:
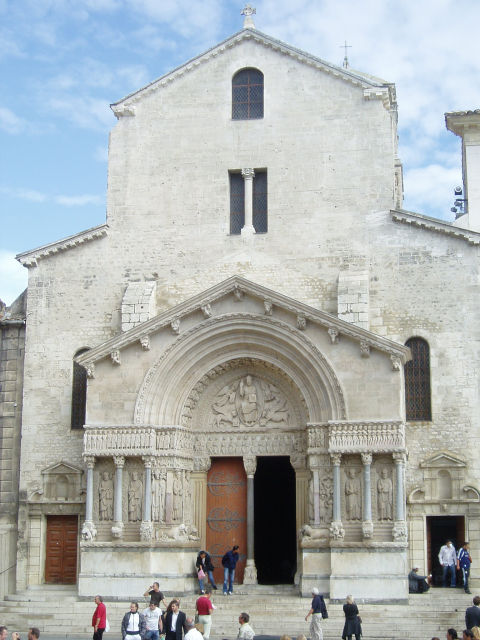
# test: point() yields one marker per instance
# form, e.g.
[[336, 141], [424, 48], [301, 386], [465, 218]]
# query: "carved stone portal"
[[249, 402]]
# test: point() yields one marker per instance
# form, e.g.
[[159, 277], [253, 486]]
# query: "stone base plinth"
[[125, 570], [375, 572]]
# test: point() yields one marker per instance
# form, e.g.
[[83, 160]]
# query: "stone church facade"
[[260, 346]]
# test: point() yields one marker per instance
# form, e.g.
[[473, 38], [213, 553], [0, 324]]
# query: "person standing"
[[204, 608], [204, 563], [464, 561], [133, 624], [192, 632], [245, 631], [229, 562], [472, 614], [155, 594], [448, 560], [353, 621], [174, 621], [99, 619], [153, 621], [318, 611]]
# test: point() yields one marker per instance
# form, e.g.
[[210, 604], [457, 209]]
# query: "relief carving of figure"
[[177, 497], [326, 498], [385, 496], [249, 402], [135, 498], [158, 496], [105, 497], [352, 496]]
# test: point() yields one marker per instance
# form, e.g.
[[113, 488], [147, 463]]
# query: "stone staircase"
[[60, 614]]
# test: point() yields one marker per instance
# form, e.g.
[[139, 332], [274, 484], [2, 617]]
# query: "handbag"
[[107, 626], [201, 574]]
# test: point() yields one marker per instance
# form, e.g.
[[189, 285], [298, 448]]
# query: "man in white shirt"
[[245, 632], [153, 621], [192, 632], [448, 561]]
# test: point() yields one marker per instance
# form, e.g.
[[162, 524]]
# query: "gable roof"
[[30, 258], [234, 284], [374, 88], [436, 225]]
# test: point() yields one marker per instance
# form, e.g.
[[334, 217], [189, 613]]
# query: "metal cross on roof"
[[248, 11], [345, 59]]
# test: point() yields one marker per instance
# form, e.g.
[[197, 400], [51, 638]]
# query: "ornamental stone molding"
[[366, 437], [145, 342], [239, 334], [241, 287]]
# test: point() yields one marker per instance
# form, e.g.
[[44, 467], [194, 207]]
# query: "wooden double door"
[[227, 513], [61, 552]]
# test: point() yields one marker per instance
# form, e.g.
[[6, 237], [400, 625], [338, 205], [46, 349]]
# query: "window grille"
[[260, 220], [247, 95], [79, 394], [237, 203], [417, 381]]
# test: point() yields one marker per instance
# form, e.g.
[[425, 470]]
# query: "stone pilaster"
[[117, 528], [337, 532], [248, 176], [367, 524], [89, 531], [250, 573]]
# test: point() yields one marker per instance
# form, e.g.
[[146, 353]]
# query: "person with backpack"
[[318, 611], [229, 562]]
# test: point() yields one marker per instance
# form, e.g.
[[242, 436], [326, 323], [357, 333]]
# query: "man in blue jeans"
[[229, 562], [448, 561]]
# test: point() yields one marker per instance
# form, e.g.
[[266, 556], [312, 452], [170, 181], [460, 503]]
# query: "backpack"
[[225, 559]]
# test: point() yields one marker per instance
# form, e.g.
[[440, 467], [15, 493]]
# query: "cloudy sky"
[[64, 61]]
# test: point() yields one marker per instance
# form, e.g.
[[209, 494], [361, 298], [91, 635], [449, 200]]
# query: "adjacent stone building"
[[260, 346]]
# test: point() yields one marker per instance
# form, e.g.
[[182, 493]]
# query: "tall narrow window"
[[247, 95], [417, 381], [237, 203], [260, 202], [79, 394]]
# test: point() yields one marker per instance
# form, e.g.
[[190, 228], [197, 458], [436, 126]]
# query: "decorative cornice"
[[240, 287], [30, 258], [438, 226], [374, 88]]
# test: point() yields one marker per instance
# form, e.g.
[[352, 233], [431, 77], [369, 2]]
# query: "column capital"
[[119, 461], [366, 458], [248, 174], [202, 464], [89, 461], [148, 461], [399, 457], [336, 459], [250, 464]]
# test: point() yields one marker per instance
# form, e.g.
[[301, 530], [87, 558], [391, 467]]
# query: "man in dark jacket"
[[133, 624], [229, 562], [204, 562], [174, 622], [416, 583], [472, 614]]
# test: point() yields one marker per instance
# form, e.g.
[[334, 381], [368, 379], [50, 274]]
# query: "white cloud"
[[101, 154], [429, 189], [13, 277], [24, 194], [78, 201], [10, 122], [86, 111]]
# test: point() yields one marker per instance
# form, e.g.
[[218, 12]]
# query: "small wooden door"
[[227, 513], [61, 553]]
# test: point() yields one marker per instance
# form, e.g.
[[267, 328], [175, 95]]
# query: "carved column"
[[367, 524], [146, 528], [89, 531], [314, 464], [199, 497], [337, 532], [250, 574], [399, 526], [248, 176], [117, 528]]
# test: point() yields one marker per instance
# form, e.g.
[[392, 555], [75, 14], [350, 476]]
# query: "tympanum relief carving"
[[249, 402]]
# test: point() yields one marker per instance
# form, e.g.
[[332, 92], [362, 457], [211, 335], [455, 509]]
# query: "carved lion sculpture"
[[308, 533]]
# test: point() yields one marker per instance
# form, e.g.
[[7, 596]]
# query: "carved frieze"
[[358, 437]]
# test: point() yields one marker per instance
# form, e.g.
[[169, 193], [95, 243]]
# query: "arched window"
[[79, 393], [247, 95], [417, 381]]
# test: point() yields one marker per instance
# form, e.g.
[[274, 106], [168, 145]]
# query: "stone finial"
[[248, 11]]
